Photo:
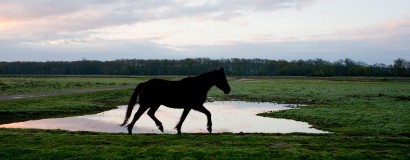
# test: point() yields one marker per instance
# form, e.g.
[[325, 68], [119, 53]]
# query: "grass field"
[[26, 85], [369, 119]]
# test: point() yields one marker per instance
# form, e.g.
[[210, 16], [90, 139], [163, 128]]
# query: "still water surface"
[[227, 116]]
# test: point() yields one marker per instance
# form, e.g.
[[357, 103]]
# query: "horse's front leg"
[[208, 115], [151, 113], [184, 114]]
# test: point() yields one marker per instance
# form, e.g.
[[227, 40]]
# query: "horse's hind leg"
[[184, 114], [208, 115], [137, 115], [151, 113]]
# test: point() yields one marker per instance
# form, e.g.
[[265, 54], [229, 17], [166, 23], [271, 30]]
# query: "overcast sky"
[[370, 31]]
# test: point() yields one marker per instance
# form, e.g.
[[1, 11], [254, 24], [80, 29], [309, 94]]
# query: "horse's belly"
[[172, 97], [174, 105], [182, 102]]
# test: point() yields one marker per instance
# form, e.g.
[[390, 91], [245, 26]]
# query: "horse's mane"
[[201, 76]]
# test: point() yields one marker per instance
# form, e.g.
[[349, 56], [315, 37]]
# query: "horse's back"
[[174, 94]]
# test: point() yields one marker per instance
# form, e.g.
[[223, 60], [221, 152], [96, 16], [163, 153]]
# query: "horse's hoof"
[[209, 129], [179, 130], [129, 131], [161, 129]]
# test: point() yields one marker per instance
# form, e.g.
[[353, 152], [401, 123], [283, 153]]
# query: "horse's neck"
[[204, 82]]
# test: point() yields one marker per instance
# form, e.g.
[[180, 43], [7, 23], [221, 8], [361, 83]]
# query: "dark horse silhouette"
[[188, 93]]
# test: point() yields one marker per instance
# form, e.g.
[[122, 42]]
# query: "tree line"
[[189, 66]]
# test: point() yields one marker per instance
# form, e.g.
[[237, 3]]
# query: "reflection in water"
[[226, 117]]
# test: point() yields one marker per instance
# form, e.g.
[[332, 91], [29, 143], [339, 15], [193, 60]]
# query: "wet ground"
[[227, 116]]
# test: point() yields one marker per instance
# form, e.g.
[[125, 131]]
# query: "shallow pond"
[[227, 116]]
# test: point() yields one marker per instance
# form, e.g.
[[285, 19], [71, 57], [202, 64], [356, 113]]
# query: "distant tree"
[[399, 67], [407, 66], [195, 66]]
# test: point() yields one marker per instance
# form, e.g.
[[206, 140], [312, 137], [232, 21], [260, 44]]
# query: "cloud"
[[87, 14], [368, 51], [69, 50], [48, 21], [387, 31], [114, 29]]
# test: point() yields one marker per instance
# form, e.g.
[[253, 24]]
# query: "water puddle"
[[227, 116]]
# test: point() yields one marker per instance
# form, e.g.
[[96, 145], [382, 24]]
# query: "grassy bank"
[[35, 144], [35, 84], [369, 119]]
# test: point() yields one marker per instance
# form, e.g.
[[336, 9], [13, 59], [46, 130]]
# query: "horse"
[[188, 93]]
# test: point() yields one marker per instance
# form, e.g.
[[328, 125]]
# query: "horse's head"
[[221, 81]]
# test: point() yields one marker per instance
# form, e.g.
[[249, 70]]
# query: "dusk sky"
[[370, 31]]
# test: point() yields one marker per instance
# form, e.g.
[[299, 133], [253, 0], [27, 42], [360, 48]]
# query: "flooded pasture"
[[227, 116]]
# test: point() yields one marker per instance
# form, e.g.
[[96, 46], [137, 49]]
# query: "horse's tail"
[[131, 103]]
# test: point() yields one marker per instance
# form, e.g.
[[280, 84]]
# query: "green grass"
[[36, 144], [369, 120], [35, 84]]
